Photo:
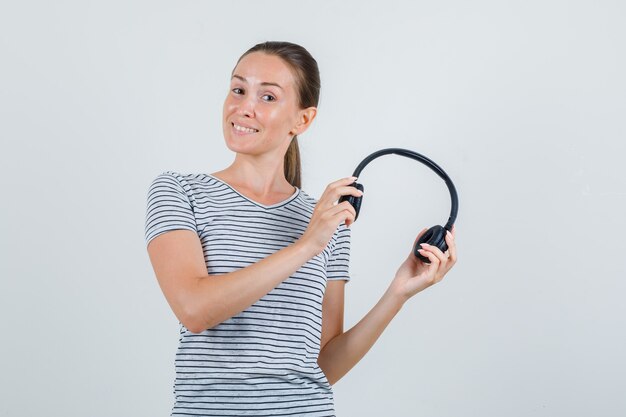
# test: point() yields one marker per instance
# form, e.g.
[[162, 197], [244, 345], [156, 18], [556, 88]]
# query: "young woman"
[[254, 268]]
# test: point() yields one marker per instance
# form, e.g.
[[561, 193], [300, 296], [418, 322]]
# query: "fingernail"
[[424, 244]]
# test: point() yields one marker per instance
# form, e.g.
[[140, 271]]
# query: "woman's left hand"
[[414, 275]]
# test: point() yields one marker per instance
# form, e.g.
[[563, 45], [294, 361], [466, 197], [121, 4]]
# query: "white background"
[[522, 103]]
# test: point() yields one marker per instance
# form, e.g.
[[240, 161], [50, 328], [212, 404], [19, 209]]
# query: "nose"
[[246, 106]]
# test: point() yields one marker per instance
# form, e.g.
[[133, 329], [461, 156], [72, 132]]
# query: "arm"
[[332, 311], [201, 301], [345, 350]]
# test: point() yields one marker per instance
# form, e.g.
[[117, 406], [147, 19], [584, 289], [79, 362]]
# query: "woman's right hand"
[[327, 214]]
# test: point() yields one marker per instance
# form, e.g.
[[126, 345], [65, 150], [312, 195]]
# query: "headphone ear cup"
[[354, 201], [435, 236]]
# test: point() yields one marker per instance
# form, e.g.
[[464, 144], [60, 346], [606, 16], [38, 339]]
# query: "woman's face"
[[261, 109]]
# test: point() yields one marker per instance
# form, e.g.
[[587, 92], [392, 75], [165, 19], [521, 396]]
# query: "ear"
[[305, 118]]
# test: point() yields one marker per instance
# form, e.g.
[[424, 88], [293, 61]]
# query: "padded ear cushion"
[[435, 236], [354, 201]]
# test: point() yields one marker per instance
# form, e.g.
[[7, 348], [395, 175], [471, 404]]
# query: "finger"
[[346, 180], [339, 208], [434, 261], [328, 197], [346, 215], [351, 217], [438, 253], [342, 182], [451, 246], [346, 190]]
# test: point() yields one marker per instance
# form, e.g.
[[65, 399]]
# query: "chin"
[[239, 146]]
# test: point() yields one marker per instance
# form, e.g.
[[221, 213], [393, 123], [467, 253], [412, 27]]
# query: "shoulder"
[[306, 199], [170, 176], [189, 183]]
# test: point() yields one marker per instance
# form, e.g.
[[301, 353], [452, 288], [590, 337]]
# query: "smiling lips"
[[244, 129]]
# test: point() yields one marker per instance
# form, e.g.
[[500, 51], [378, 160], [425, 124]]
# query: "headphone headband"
[[421, 158]]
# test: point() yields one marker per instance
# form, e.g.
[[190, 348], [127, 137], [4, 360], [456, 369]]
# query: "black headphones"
[[435, 235]]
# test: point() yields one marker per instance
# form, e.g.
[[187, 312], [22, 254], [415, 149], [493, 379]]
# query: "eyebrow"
[[263, 83]]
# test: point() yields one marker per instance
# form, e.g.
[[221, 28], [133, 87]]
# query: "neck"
[[261, 178]]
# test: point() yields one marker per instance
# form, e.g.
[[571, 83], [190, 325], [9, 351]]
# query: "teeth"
[[244, 129]]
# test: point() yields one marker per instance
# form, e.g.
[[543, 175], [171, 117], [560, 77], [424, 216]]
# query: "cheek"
[[278, 116], [228, 104], [227, 110]]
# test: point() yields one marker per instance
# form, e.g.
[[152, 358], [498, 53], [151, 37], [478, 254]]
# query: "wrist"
[[307, 248], [394, 298]]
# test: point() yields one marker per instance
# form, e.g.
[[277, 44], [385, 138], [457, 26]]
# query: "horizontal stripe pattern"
[[262, 361]]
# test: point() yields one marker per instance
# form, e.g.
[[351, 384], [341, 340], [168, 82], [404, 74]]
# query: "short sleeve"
[[168, 207], [338, 262]]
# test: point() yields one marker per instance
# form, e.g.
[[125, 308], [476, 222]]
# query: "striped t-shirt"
[[262, 361]]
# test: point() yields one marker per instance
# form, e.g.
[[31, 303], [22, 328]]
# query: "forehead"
[[259, 67]]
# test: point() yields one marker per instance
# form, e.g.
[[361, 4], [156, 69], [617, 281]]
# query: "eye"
[[237, 90], [269, 97]]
